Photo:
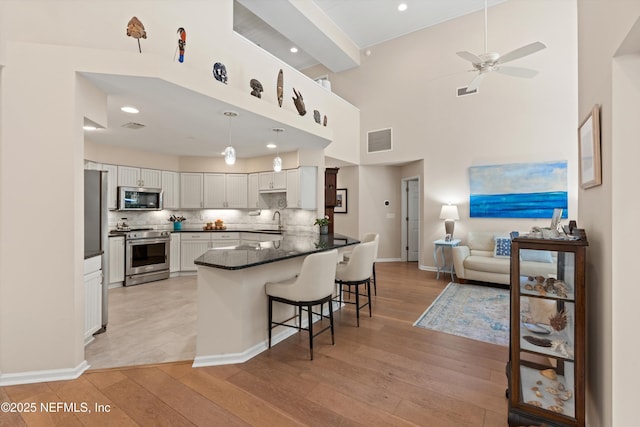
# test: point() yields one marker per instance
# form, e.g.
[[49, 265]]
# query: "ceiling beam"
[[306, 25]]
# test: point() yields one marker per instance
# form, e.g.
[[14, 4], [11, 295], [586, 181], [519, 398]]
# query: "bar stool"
[[369, 237], [357, 271], [313, 286]]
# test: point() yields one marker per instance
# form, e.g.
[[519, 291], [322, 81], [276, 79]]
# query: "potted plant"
[[177, 221], [323, 223]]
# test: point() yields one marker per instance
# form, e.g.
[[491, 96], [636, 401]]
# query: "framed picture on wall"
[[341, 201], [589, 149]]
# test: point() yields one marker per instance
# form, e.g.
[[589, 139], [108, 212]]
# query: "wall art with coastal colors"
[[518, 190]]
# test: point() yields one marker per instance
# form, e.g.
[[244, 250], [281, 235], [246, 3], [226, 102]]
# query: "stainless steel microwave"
[[139, 199]]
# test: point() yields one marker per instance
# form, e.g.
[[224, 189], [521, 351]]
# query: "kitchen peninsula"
[[232, 304]]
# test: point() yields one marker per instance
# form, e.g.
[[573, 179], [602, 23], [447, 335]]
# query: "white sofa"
[[476, 261]]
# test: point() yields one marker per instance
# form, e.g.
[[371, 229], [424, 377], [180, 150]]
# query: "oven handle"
[[147, 241]]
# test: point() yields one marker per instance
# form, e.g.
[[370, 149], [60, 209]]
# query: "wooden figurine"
[[299, 102], [136, 30], [280, 87]]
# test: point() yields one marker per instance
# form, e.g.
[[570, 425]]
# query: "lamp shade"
[[229, 155], [449, 212]]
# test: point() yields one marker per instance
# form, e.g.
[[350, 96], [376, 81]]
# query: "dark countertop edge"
[[200, 230], [223, 267], [92, 254]]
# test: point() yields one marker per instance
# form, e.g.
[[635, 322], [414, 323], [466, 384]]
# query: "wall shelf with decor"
[[546, 368]]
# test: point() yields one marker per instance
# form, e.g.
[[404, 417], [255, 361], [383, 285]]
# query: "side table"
[[440, 258]]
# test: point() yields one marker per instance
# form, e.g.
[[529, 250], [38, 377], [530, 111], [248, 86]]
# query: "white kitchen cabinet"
[[92, 297], [302, 184], [192, 245], [272, 181], [174, 253], [137, 177], [253, 191], [219, 239], [170, 190], [116, 260], [89, 165], [225, 190], [191, 190], [214, 191], [112, 185], [236, 190]]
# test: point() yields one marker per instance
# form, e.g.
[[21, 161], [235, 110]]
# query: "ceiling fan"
[[492, 61]]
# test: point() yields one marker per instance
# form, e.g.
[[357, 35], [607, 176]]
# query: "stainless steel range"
[[146, 256]]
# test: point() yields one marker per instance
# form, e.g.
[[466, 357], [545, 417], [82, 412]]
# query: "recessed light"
[[130, 110], [402, 7], [294, 49], [271, 145]]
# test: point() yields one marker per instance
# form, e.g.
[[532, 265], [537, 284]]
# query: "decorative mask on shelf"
[[316, 116], [136, 30], [299, 102], [280, 87], [182, 41], [220, 72], [256, 87]]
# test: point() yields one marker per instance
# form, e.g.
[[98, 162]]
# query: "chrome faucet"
[[279, 220]]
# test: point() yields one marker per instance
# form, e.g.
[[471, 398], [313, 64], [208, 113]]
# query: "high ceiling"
[[331, 32]]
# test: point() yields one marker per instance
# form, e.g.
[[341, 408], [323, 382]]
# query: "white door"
[[413, 220]]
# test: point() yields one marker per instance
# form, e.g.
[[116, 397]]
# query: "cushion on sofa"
[[502, 247], [482, 240]]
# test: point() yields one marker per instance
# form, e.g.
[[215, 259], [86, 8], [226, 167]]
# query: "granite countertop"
[[115, 233], [292, 245]]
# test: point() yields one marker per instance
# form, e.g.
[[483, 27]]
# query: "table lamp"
[[449, 213]]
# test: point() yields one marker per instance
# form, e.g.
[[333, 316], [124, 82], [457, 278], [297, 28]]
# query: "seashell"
[[539, 393], [557, 409], [539, 382], [559, 401], [528, 287], [561, 387], [549, 373], [534, 388], [530, 278], [558, 321], [541, 342], [552, 390], [549, 288], [534, 403], [566, 395], [538, 287], [540, 279]]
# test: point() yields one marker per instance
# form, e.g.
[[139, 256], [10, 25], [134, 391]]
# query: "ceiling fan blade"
[[526, 73], [475, 83], [520, 52], [468, 56]]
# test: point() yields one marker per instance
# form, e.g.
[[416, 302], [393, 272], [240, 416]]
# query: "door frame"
[[403, 231]]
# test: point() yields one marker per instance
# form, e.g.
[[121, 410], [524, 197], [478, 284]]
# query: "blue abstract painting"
[[518, 190]]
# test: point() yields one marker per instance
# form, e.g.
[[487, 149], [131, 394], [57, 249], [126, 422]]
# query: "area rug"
[[477, 312]]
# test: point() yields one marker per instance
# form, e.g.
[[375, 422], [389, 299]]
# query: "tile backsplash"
[[297, 220]]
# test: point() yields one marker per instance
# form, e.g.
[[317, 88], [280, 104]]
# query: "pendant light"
[[230, 152], [277, 161]]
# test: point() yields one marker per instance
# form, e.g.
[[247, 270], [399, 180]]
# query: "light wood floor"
[[386, 372]]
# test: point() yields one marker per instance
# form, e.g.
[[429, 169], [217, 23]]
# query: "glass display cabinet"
[[546, 369]]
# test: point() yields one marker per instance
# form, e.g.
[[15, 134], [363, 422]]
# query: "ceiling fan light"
[[277, 164], [230, 155]]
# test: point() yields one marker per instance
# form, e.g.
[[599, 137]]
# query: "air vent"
[[462, 91], [133, 125], [379, 140]]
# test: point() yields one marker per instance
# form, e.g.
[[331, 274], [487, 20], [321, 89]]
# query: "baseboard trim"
[[427, 268], [31, 377], [388, 259], [231, 358]]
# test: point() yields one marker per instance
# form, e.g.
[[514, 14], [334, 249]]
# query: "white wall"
[[42, 147], [612, 376], [409, 84]]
